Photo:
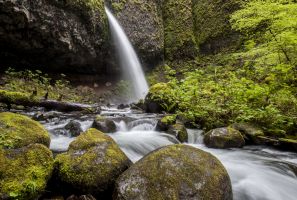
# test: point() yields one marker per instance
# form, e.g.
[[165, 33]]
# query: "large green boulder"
[[175, 172], [18, 131], [92, 163], [213, 31], [24, 172], [226, 137], [143, 24]]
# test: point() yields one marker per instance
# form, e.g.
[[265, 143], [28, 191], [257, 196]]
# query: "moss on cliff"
[[178, 29], [24, 172], [17, 131], [211, 23]]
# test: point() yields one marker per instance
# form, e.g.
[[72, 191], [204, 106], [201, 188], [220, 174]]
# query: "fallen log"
[[18, 98]]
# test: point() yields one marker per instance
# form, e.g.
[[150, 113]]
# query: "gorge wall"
[[73, 35]]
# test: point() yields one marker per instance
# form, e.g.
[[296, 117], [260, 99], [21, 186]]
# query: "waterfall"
[[128, 59]]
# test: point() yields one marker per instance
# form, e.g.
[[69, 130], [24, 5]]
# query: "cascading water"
[[256, 172], [128, 59]]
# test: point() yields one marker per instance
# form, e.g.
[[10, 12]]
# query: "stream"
[[256, 172]]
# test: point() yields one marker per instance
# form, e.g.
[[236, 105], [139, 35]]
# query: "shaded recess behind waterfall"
[[128, 59]]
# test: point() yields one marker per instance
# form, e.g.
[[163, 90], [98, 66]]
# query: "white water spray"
[[128, 59]]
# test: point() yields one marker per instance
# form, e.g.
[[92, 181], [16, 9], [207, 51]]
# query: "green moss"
[[92, 162], [16, 98], [224, 138], [162, 94], [175, 171], [211, 22], [90, 4], [179, 38], [169, 119], [24, 172], [18, 131], [288, 140]]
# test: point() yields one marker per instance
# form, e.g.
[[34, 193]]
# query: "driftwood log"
[[18, 98]]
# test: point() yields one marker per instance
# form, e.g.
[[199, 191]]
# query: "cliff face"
[[60, 35], [73, 35]]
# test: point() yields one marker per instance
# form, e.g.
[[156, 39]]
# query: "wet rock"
[[25, 171], [74, 127], [92, 164], [250, 132], [177, 171], [104, 124], [179, 131], [43, 116], [57, 35], [123, 106], [165, 122], [18, 131], [226, 137]]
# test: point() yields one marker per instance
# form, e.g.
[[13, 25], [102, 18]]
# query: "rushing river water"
[[256, 172]]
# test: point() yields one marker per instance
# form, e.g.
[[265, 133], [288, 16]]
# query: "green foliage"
[[256, 84], [271, 29], [37, 84]]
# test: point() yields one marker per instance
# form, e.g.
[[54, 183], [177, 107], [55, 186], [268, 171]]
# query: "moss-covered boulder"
[[213, 31], [179, 40], [70, 35], [252, 134], [179, 131], [165, 122], [175, 172], [24, 172], [104, 124], [92, 163], [226, 137], [160, 98], [18, 131], [143, 24]]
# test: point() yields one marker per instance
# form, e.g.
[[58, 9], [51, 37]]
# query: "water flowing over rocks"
[[144, 28], [178, 172]]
